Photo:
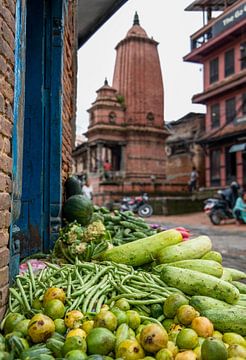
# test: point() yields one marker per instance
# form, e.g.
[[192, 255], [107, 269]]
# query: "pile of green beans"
[[125, 226], [89, 285]]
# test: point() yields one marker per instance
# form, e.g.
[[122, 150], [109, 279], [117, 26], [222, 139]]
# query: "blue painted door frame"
[[40, 193], [17, 136]]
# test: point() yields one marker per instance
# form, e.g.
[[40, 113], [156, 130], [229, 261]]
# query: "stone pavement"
[[229, 239]]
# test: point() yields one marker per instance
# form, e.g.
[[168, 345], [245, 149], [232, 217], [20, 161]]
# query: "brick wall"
[[69, 88], [7, 33]]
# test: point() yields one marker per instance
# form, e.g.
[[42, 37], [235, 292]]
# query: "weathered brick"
[[6, 164], [9, 111], [8, 17], [3, 65], [5, 88], [5, 182], [6, 126], [11, 6], [2, 102], [8, 35], [4, 219], [4, 201], [4, 276], [4, 295], [4, 255], [4, 237]]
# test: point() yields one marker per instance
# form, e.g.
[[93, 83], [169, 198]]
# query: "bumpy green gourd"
[[196, 283]]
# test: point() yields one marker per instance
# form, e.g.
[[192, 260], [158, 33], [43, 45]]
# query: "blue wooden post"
[[17, 137], [39, 220], [53, 123]]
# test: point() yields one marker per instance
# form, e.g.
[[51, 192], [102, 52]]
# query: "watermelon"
[[72, 186], [78, 207]]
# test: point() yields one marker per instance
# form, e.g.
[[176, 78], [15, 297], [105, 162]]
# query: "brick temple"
[[126, 123]]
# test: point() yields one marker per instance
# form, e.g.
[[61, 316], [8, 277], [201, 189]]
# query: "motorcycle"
[[218, 209], [137, 204]]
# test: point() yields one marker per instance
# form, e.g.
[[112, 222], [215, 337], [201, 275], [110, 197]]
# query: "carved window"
[[150, 117], [112, 117]]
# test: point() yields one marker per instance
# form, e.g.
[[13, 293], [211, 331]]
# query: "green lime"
[[55, 309], [213, 349], [133, 319], [156, 310], [164, 354], [100, 341], [187, 339], [107, 319], [236, 350], [11, 321], [76, 355], [60, 326], [122, 304], [22, 326], [185, 314], [120, 315], [74, 343], [172, 303]]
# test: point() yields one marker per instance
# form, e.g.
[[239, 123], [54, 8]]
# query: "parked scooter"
[[220, 208], [138, 204]]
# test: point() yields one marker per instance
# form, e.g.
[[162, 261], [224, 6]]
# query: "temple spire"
[[136, 19], [105, 82]]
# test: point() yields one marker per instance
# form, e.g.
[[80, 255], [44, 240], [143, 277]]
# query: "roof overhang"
[[216, 5], [92, 14]]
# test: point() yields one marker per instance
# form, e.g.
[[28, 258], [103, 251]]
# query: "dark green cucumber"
[[205, 266], [201, 303], [196, 283], [241, 286], [228, 320]]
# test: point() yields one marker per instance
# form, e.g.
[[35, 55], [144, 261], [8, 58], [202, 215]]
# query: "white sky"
[[171, 26]]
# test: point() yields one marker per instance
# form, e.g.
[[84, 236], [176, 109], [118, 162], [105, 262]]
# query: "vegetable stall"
[[115, 287]]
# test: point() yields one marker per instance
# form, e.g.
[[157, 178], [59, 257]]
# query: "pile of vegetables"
[[119, 295]]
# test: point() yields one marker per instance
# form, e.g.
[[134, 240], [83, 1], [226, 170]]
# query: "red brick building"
[[220, 46], [183, 152], [126, 122], [38, 66]]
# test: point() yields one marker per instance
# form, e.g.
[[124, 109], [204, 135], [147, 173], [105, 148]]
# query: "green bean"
[[10, 302], [78, 276], [96, 296], [69, 284], [92, 282], [143, 308], [127, 296], [143, 318], [23, 295], [92, 292], [75, 304], [17, 296], [30, 293], [31, 276], [147, 302], [100, 302]]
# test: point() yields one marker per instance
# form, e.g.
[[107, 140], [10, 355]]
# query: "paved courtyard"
[[229, 239]]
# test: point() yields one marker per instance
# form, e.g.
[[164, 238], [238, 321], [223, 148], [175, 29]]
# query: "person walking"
[[239, 210], [87, 189], [193, 179]]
